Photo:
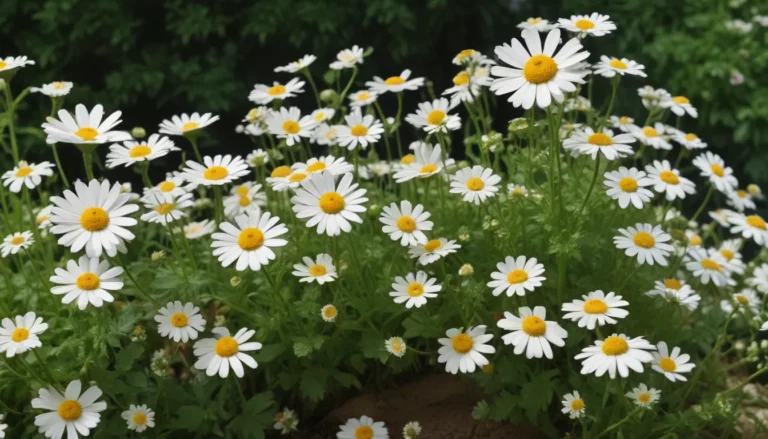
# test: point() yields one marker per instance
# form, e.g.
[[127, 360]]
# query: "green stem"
[[136, 283], [397, 122], [145, 174], [618, 424], [306, 73], [193, 141], [386, 133], [219, 212], [88, 163], [591, 185], [180, 259], [704, 203], [346, 89], [10, 110], [58, 165]]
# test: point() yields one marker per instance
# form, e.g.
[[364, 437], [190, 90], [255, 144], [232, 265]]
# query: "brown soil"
[[441, 403]]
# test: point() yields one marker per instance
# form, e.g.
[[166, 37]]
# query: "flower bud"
[[138, 133]]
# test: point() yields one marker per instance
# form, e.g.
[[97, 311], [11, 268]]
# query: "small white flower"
[[55, 89], [406, 223], [426, 162], [673, 364], [180, 321], [215, 171], [609, 67], [668, 181], [26, 174], [71, 411], [656, 136], [596, 309], [617, 352], [10, 63], [414, 289], [296, 66], [132, 152], [363, 428], [463, 351], [225, 351], [595, 24], [515, 276], [363, 98], [573, 405], [624, 123], [329, 313], [85, 127], [628, 186], [264, 94], [475, 184], [537, 23], [411, 430], [320, 270], [689, 140], [433, 250], [750, 226], [591, 143], [651, 97], [89, 281], [184, 124], [708, 265], [257, 158], [395, 346], [328, 205], [759, 278], [740, 200], [680, 105], [21, 334], [395, 84], [165, 208], [288, 124], [531, 332], [249, 241], [139, 417], [198, 229], [645, 241], [15, 242], [713, 167], [348, 58], [359, 130], [433, 117], [642, 396]]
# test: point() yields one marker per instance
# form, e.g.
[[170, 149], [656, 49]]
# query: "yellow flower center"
[[291, 127], [717, 169], [42, 219], [165, 208], [252, 115], [435, 117], [742, 299], [363, 96], [577, 405], [140, 419], [741, 193], [250, 238], [432, 245], [315, 167], [709, 264], [329, 312], [297, 177], [396, 346], [2, 65], [615, 345], [359, 130], [695, 240], [672, 284], [276, 90], [691, 137], [534, 326], [87, 133], [595, 306], [667, 364], [644, 397], [363, 432], [475, 184], [536, 20], [332, 202], [623, 120], [23, 172], [628, 184], [70, 410], [244, 201], [94, 219], [464, 54], [281, 171], [215, 173], [394, 80], [19, 334], [644, 240], [167, 186], [415, 289], [669, 177], [320, 116], [317, 270], [756, 222], [88, 281], [727, 254], [650, 132], [17, 240], [462, 343], [139, 151], [600, 139], [618, 64], [242, 190], [681, 100], [179, 320], [406, 224], [584, 24], [461, 79], [539, 69], [518, 192], [408, 159], [518, 276], [226, 347], [428, 169], [189, 126]]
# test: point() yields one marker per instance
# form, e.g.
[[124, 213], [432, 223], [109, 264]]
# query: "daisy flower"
[[139, 417], [180, 321], [740, 200], [362, 98], [348, 58], [587, 141], [433, 250], [327, 205], [684, 296], [652, 97], [759, 278], [395, 346], [654, 136], [465, 89], [336, 166], [324, 134], [463, 351], [242, 202], [615, 352], [750, 226], [645, 241], [707, 265], [595, 24], [132, 152], [289, 125], [515, 276], [164, 208], [296, 66], [72, 411], [433, 117], [329, 313], [173, 185], [88, 281], [292, 181], [264, 94], [573, 405], [198, 229], [628, 186], [15, 242], [406, 223], [577, 103], [624, 123], [257, 115], [93, 217], [323, 114], [531, 332], [680, 105], [730, 248], [609, 67], [644, 397], [426, 162], [713, 167], [218, 354], [744, 299], [471, 57], [689, 140], [538, 75], [596, 309], [721, 216], [668, 181], [14, 62], [258, 157], [363, 428], [249, 241], [21, 334], [286, 421], [395, 84], [380, 168], [43, 217], [320, 270], [414, 289], [359, 130], [411, 430], [536, 23], [26, 174], [517, 191], [184, 124], [2, 428], [475, 184], [85, 127], [215, 171], [673, 364]]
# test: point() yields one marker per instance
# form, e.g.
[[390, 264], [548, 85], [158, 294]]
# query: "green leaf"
[[125, 358], [190, 417], [347, 380], [269, 352], [537, 393], [481, 410], [313, 383]]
